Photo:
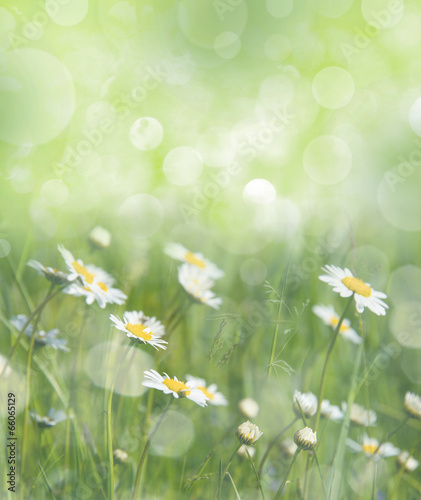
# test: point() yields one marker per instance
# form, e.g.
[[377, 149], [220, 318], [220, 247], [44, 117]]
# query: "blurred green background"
[[274, 136]]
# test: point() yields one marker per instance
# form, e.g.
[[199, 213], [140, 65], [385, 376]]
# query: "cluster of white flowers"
[[196, 275]]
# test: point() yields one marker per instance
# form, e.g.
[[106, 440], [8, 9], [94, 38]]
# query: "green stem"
[[255, 473], [272, 444], [147, 446], [109, 426], [329, 352], [274, 340], [218, 491], [281, 488]]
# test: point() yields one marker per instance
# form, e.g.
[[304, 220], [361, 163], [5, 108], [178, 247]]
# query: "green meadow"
[[174, 175]]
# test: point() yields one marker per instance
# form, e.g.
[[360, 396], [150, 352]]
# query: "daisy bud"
[[100, 238], [412, 404], [248, 407], [307, 401], [248, 433], [120, 456], [410, 464], [288, 447], [305, 439]]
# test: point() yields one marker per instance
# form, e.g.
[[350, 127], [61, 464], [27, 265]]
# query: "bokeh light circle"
[[333, 87], [411, 365], [39, 98], [54, 193], [182, 166], [146, 133], [277, 48], [253, 272], [141, 216], [217, 147], [279, 9], [5, 248], [67, 13], [227, 45], [405, 324], [415, 117], [330, 9], [259, 191], [174, 435], [404, 285], [276, 92], [102, 362], [382, 14], [398, 194], [99, 112], [327, 159]]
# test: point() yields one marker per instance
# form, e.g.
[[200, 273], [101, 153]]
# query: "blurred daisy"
[[409, 462], [288, 447], [248, 433], [53, 418], [307, 401], [42, 338], [370, 447], [412, 404], [198, 285], [344, 283], [243, 449], [249, 407], [137, 331], [179, 252], [174, 386], [120, 456], [49, 273], [331, 412], [94, 283], [305, 439], [215, 398], [329, 317], [5, 370], [99, 238], [360, 416]]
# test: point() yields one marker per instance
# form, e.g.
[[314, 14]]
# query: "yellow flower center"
[[103, 286], [357, 286], [177, 386], [191, 259], [138, 331], [334, 322], [369, 448], [206, 392], [89, 277]]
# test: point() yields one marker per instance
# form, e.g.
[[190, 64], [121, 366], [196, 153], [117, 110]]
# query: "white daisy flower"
[[179, 252], [120, 456], [96, 283], [174, 386], [53, 418], [198, 285], [51, 274], [360, 416], [307, 402], [139, 317], [370, 447], [248, 433], [331, 412], [329, 317], [412, 404], [409, 462], [288, 447], [215, 398], [138, 332], [344, 283], [99, 238], [305, 439], [42, 338]]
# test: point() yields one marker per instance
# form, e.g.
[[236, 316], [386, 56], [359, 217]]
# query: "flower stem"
[[147, 446], [272, 444], [218, 491], [281, 488], [255, 473]]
